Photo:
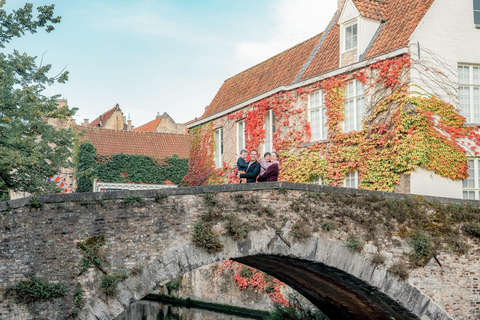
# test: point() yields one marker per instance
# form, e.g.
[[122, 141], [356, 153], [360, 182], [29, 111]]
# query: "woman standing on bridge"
[[272, 172]]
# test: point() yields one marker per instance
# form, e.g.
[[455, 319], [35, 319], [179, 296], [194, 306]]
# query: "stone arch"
[[343, 284]]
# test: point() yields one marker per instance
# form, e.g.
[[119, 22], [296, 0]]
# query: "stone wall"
[[150, 242]]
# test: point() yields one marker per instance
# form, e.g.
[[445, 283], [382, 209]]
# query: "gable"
[[349, 12]]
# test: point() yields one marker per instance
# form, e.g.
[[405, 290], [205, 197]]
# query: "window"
[[471, 185], [269, 131], [318, 116], [318, 180], [240, 136], [219, 147], [351, 180], [351, 37], [354, 105], [469, 92], [476, 13]]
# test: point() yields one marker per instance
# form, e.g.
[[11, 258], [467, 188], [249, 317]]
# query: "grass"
[[353, 243]]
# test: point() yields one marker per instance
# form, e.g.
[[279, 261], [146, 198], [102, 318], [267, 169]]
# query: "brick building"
[[377, 62]]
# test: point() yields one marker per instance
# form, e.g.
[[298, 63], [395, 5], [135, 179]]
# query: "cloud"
[[295, 21]]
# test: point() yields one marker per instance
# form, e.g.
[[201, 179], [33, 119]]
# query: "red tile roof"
[[149, 126], [104, 117], [154, 144], [281, 69], [373, 9], [401, 16]]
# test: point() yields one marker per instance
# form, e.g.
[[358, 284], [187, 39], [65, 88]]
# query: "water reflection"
[[153, 310]]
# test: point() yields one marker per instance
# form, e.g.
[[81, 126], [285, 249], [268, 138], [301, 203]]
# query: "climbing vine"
[[247, 277], [126, 168], [400, 132]]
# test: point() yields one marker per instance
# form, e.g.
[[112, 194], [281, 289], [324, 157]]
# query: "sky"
[[156, 56]]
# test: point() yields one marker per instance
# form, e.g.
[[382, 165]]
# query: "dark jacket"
[[271, 174], [242, 164], [252, 172]]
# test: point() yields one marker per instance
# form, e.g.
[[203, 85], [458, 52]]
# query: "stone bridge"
[[305, 235]]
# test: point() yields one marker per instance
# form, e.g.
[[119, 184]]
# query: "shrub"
[[353, 243], [77, 295], [37, 290], [473, 229], [90, 249], [108, 283], [378, 259], [422, 248], [209, 200], [282, 190], [173, 285], [35, 203], [328, 225], [301, 230], [160, 197], [132, 199], [236, 228], [246, 272], [400, 270], [204, 237]]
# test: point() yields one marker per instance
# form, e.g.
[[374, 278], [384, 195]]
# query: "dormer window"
[[351, 36]]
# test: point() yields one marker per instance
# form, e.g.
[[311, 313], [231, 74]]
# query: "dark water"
[[153, 310]]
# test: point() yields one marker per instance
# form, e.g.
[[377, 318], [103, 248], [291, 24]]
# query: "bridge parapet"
[[303, 234]]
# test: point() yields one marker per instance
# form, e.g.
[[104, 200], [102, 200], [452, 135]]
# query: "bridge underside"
[[338, 294]]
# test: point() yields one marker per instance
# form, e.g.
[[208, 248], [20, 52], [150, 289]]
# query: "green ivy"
[[126, 168], [37, 290]]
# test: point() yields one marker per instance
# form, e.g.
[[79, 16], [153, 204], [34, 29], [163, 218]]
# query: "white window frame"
[[218, 136], [240, 137], [345, 26], [355, 112], [469, 92], [471, 185], [317, 113], [269, 127], [318, 181], [351, 180]]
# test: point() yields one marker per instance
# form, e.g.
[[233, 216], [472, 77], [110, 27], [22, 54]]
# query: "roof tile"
[[154, 144], [149, 126]]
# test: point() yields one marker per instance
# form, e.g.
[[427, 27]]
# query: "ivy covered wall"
[[401, 131], [126, 168]]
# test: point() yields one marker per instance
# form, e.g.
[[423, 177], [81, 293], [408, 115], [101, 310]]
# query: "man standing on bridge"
[[253, 168]]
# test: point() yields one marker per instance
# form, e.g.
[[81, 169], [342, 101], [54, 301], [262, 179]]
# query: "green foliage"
[[282, 190], [31, 148], [173, 285], [422, 248], [353, 243], [133, 199], [90, 249], [161, 196], [35, 203], [35, 289], [295, 311], [246, 272], [209, 200], [204, 237], [108, 284], [78, 295], [236, 228], [473, 229], [85, 165], [328, 225], [126, 168]]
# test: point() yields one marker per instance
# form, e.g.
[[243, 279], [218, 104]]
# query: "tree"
[[31, 150]]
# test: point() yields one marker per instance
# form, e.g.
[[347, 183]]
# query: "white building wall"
[[446, 36], [447, 30], [427, 183], [367, 29]]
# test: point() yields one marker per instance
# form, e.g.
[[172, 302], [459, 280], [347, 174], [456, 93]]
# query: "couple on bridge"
[[265, 170]]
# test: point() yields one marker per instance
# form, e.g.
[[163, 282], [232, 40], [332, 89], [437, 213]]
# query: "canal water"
[[156, 310]]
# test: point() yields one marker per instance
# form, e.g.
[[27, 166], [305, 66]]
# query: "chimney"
[[158, 115], [129, 125], [85, 122], [340, 4]]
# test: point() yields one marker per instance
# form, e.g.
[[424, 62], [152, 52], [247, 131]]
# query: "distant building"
[[163, 123]]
